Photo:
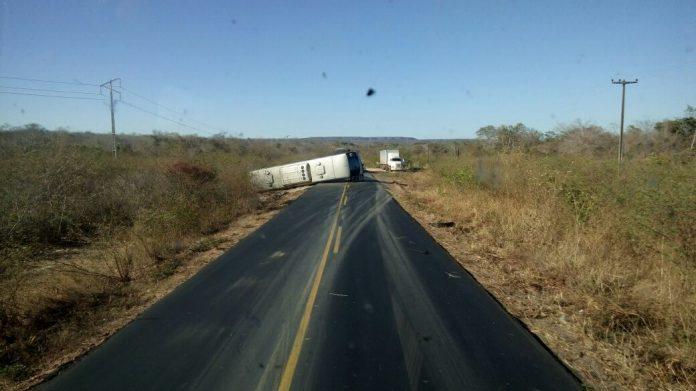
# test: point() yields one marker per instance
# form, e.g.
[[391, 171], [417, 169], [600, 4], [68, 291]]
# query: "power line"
[[160, 116], [112, 89], [48, 90], [49, 96], [170, 109], [151, 101], [76, 83]]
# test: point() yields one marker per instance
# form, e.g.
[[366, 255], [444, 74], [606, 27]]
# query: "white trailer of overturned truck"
[[343, 166]]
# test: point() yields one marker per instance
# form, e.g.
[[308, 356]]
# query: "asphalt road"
[[341, 290]]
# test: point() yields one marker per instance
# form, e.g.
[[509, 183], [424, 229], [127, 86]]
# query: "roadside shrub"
[[464, 177], [192, 172], [61, 190], [586, 139], [622, 241]]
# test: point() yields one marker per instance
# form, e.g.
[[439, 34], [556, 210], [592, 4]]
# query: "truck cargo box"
[[390, 160]]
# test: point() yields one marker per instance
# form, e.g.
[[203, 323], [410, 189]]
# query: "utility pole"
[[427, 147], [623, 83], [110, 85]]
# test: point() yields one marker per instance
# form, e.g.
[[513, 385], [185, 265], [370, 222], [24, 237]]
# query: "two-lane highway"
[[341, 290]]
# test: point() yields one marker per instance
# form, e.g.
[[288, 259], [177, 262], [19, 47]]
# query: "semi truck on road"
[[390, 160], [343, 166]]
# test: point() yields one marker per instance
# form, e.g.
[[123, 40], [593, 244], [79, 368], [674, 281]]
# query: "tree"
[[691, 113], [685, 126], [585, 138], [509, 137]]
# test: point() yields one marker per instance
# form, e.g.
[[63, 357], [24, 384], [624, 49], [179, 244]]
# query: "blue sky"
[[441, 69]]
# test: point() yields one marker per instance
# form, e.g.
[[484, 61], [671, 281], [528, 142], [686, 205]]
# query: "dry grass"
[[88, 241], [601, 267], [95, 315]]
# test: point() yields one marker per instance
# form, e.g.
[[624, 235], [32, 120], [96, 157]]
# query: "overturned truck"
[[343, 166]]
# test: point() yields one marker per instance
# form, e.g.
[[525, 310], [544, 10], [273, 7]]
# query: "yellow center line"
[[338, 240], [293, 358], [345, 200]]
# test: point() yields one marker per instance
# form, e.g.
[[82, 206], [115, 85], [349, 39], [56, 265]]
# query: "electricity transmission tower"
[[110, 85], [623, 83]]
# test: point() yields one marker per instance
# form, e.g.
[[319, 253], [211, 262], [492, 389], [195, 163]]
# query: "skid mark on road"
[[424, 338]]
